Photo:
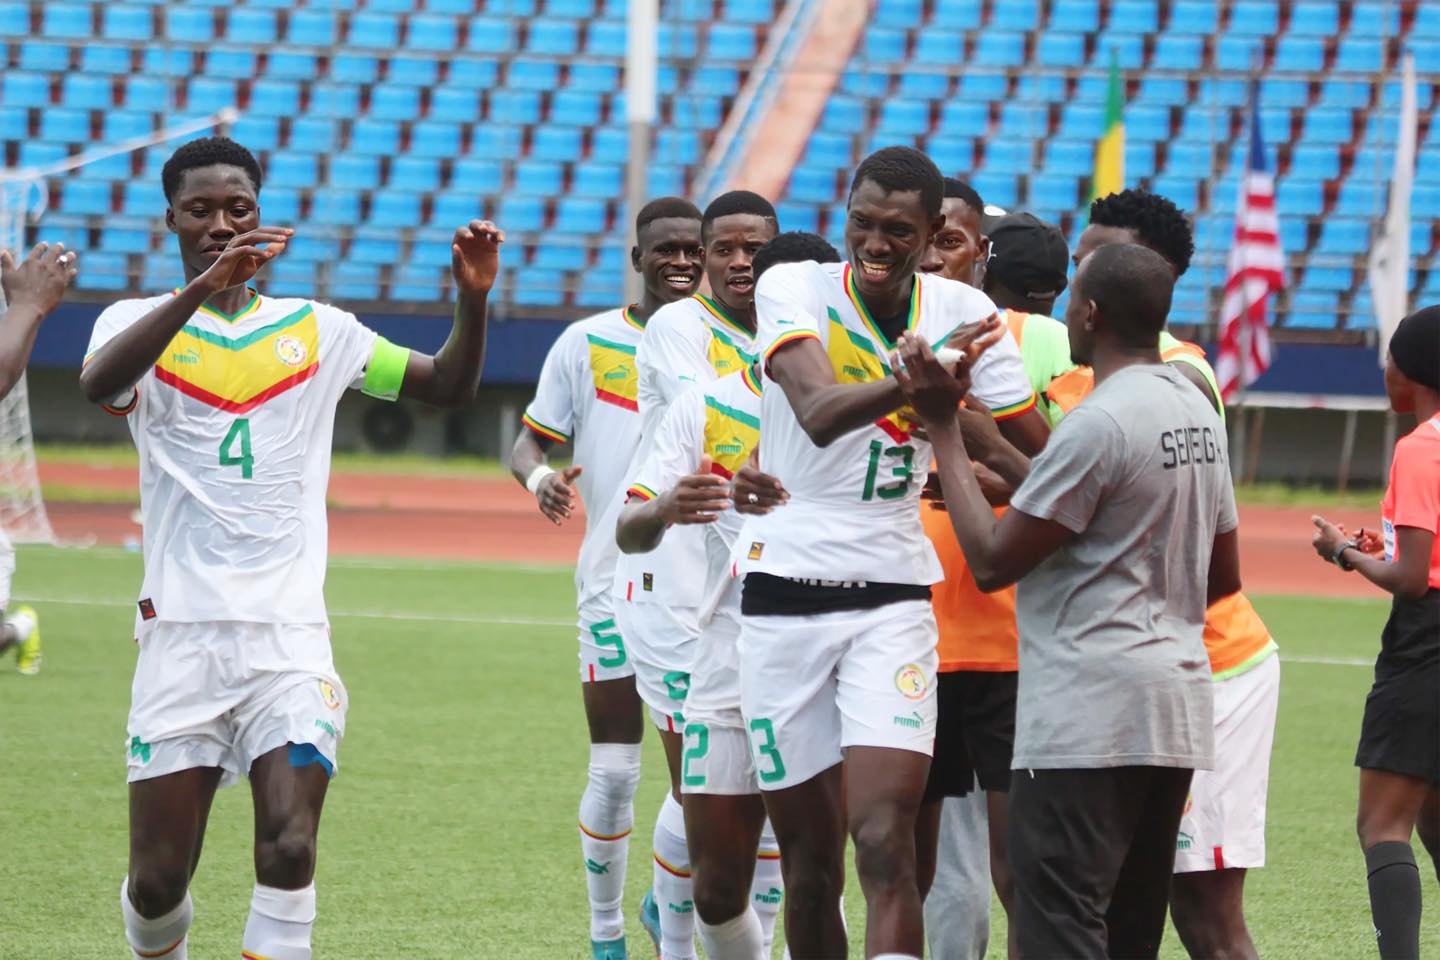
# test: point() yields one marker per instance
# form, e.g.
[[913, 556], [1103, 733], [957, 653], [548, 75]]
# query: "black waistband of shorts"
[[765, 594]]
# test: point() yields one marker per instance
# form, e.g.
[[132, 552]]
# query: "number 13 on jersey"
[[901, 471], [239, 435]]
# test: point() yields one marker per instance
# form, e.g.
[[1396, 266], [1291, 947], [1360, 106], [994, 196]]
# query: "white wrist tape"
[[532, 482]]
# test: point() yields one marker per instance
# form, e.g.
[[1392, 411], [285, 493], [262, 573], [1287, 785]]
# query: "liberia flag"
[[1256, 270]]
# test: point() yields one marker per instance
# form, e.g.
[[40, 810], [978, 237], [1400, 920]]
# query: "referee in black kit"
[[1119, 538]]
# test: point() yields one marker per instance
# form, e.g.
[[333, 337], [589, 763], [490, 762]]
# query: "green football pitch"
[[451, 831]]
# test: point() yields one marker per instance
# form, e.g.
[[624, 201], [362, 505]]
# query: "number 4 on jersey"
[[245, 461]]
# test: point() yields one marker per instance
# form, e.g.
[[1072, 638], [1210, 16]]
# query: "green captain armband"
[[385, 373]]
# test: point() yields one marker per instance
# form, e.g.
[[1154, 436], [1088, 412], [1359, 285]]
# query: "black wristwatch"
[[1338, 557]]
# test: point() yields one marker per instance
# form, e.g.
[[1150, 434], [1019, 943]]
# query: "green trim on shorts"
[[385, 373], [1248, 665]]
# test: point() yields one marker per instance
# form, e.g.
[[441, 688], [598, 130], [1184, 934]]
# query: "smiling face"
[[886, 233], [669, 257], [957, 246], [211, 206], [730, 248]]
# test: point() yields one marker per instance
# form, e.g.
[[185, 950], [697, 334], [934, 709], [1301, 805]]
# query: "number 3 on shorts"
[[241, 429], [765, 746]]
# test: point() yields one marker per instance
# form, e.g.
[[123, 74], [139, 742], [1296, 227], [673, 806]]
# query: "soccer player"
[[837, 647], [975, 734], [1222, 834], [1399, 752], [691, 341], [588, 395], [33, 288], [1123, 529], [230, 397], [706, 434]]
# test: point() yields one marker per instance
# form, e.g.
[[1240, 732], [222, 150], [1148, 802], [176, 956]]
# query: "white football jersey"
[[720, 420], [234, 425], [588, 395], [853, 513], [687, 343]]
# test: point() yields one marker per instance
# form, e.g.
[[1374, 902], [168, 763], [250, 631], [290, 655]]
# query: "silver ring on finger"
[[751, 498]]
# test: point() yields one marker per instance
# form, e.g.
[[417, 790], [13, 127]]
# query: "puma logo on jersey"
[[856, 372], [189, 356], [736, 447], [618, 373]]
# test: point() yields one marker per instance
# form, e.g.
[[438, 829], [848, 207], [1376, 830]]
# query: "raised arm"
[[32, 289], [124, 359], [451, 377]]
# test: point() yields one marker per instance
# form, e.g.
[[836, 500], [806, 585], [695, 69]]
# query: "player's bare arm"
[[33, 288], [120, 363], [452, 376], [999, 552], [990, 448], [1408, 576], [1188, 371], [554, 489], [699, 497], [825, 409], [1223, 578]]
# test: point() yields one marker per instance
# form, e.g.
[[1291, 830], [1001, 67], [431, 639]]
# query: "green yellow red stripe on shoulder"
[[549, 433], [1015, 409], [639, 491]]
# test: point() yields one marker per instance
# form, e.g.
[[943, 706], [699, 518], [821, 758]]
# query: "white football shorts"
[[661, 642], [223, 694], [716, 757], [1224, 821], [602, 646], [812, 685]]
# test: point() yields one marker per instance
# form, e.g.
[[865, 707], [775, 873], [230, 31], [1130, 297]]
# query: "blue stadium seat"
[[1328, 278], [937, 47], [604, 38], [288, 277], [234, 64], [22, 89], [580, 215], [246, 25], [1425, 201], [915, 85], [728, 41], [143, 199], [1311, 161], [1360, 197], [747, 11], [124, 239], [1024, 120], [1345, 93], [1061, 49], [1015, 15], [87, 91], [1009, 155], [1075, 16], [952, 154], [312, 27], [904, 118], [1315, 307], [275, 98], [1082, 121], [1179, 51], [677, 146], [477, 175], [1163, 91], [121, 21], [1422, 239], [999, 50], [812, 186], [189, 24], [1255, 18], [1382, 20], [598, 180], [455, 104], [381, 137], [998, 188], [435, 139], [334, 100], [527, 73], [107, 60], [1236, 53], [428, 32], [866, 82], [1042, 87], [841, 115], [594, 77], [575, 9], [34, 153], [577, 108], [412, 71], [1054, 192], [291, 65], [1360, 54], [1316, 18], [1297, 197], [514, 106], [538, 288], [556, 38], [956, 14], [1139, 160], [537, 178], [1124, 49], [168, 62], [561, 256], [559, 144], [1194, 17], [14, 19], [87, 197], [389, 102], [104, 271], [1146, 122], [415, 283], [1074, 157], [354, 281], [1184, 191], [53, 57], [459, 205], [1294, 235], [292, 170], [395, 208], [120, 125], [899, 13], [1134, 16], [281, 205], [798, 216], [355, 68], [1343, 236], [209, 94], [1277, 92], [521, 213], [333, 207], [828, 150], [1093, 87], [378, 31], [982, 88], [1299, 53], [1223, 91], [1424, 92], [1327, 126], [14, 123], [354, 171]]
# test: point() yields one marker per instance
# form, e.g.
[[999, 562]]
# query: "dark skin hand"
[[699, 497], [1408, 576], [33, 288], [750, 482], [215, 216]]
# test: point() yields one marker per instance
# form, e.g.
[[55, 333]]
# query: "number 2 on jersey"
[[245, 461], [901, 472]]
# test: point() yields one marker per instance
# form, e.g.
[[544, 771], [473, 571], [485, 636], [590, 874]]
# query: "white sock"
[[767, 888], [163, 937], [736, 939], [279, 924], [24, 625], [607, 812], [672, 883]]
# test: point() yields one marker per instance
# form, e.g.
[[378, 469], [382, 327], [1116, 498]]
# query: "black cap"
[[991, 216], [1029, 256]]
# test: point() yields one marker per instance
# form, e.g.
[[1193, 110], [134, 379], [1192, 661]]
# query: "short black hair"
[[738, 201], [1158, 223], [666, 208], [208, 152], [797, 246], [1131, 285], [903, 169], [962, 191]]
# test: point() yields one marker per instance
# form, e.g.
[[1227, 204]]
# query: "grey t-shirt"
[[1113, 669]]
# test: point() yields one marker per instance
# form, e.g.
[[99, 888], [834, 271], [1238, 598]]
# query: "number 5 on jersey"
[[239, 433]]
